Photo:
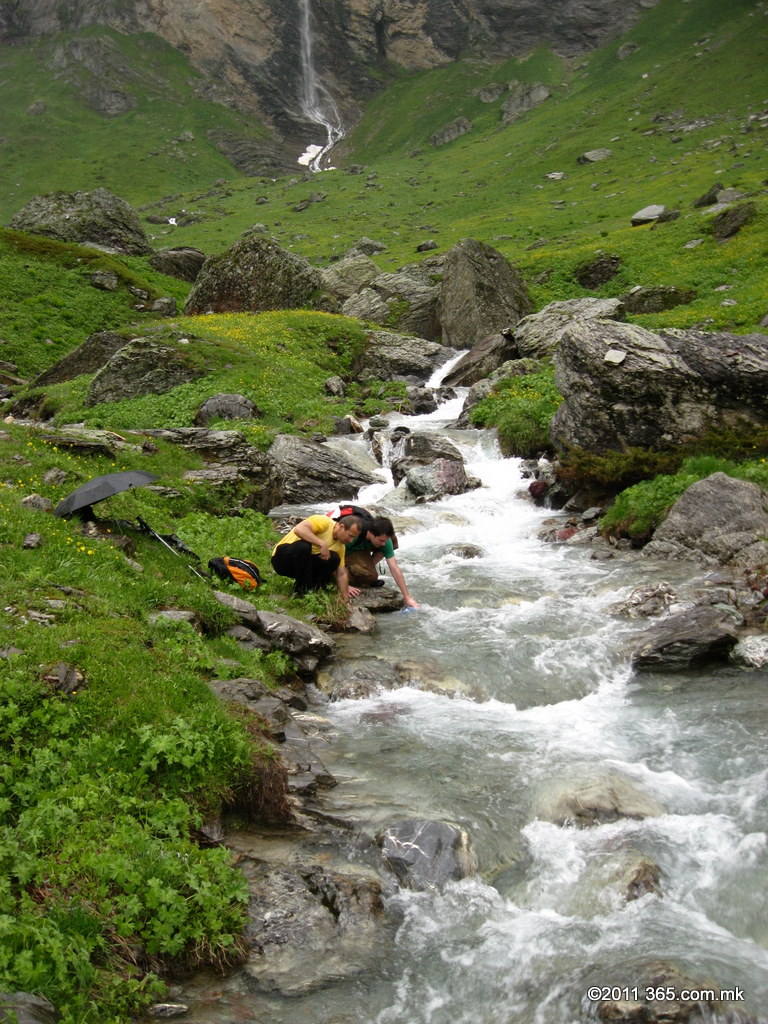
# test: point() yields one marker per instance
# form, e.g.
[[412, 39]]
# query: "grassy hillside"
[[105, 781], [681, 112], [55, 138]]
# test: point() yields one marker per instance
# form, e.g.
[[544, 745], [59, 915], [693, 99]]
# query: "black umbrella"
[[101, 487]]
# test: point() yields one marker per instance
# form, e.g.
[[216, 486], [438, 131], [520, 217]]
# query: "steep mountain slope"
[[681, 103], [247, 55]]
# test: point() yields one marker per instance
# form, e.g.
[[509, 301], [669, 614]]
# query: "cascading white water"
[[535, 693], [544, 697], [317, 104]]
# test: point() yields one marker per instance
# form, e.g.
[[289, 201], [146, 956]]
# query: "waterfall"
[[317, 104]]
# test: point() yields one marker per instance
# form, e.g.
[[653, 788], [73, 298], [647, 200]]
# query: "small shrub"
[[521, 408], [639, 509]]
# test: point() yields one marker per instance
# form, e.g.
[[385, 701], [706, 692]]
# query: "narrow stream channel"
[[543, 700]]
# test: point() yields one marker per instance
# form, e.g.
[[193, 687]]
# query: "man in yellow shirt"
[[312, 553]]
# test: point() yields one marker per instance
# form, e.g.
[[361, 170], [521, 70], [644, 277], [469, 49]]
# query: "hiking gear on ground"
[[236, 570], [101, 487]]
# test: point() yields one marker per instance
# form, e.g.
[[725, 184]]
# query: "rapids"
[[543, 695]]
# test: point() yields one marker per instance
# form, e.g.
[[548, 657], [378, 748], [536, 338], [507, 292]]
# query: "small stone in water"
[[168, 1010]]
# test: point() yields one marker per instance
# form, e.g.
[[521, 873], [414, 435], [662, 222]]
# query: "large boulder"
[[226, 407], [142, 367], [688, 638], [229, 459], [716, 521], [349, 275], [441, 477], [310, 927], [310, 472], [96, 218], [624, 386], [655, 299], [406, 300], [481, 360], [665, 995], [183, 262], [523, 96], [95, 352], [481, 294], [538, 335], [594, 796], [391, 356], [421, 449], [23, 1008], [255, 274]]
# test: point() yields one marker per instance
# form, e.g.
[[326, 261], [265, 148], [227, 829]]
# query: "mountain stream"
[[543, 697]]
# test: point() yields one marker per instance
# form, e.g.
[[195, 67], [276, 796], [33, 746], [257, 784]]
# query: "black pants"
[[310, 571]]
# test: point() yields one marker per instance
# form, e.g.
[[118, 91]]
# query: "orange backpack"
[[236, 570]]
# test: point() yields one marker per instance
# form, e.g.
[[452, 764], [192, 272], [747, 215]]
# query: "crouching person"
[[313, 553]]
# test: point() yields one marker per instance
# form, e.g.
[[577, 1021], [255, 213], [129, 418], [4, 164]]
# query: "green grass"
[[279, 360], [102, 886], [521, 408], [639, 509], [101, 790], [140, 154], [47, 302]]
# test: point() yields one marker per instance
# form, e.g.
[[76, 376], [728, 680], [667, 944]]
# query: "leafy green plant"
[[521, 408], [639, 509]]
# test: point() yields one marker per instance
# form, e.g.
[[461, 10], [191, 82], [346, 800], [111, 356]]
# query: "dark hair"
[[381, 525], [349, 521]]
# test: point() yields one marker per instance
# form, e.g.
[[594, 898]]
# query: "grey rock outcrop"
[[666, 984], [96, 218], [303, 642], [406, 301], [391, 356], [452, 131], [310, 927], [142, 367], [481, 294], [183, 262], [685, 639], [729, 222], [481, 360], [598, 271], [593, 156], [255, 274], [421, 449], [523, 96], [648, 214], [367, 305], [426, 855], [440, 477], [226, 407], [598, 797], [716, 521], [27, 1009], [625, 386], [308, 472], [95, 352], [538, 335], [228, 456], [349, 275], [655, 299]]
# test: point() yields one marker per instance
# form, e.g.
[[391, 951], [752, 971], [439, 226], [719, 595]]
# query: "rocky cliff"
[[249, 50]]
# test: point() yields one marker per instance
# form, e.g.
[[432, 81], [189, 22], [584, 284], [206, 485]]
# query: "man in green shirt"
[[363, 554]]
